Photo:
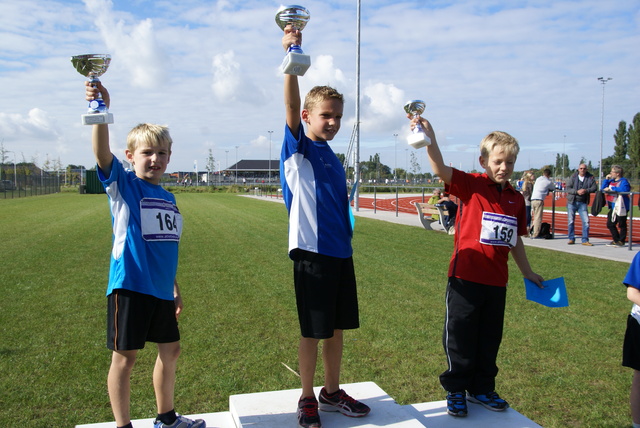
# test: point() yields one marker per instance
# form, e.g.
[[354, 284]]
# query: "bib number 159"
[[499, 229]]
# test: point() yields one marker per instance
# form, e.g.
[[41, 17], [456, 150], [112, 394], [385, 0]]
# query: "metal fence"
[[396, 193], [24, 185]]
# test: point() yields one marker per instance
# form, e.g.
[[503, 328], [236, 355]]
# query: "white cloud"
[[37, 124], [231, 84], [382, 106], [226, 78], [133, 45], [210, 71]]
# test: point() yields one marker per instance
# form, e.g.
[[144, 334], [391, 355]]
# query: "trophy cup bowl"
[[295, 62], [92, 66], [418, 138]]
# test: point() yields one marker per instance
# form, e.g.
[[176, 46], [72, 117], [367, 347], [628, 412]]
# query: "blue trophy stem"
[[418, 127], [97, 105], [295, 49]]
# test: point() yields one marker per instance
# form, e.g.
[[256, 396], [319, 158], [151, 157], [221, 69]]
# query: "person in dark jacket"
[[579, 188]]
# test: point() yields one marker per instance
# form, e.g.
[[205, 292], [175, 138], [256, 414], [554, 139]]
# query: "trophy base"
[[419, 140], [97, 118], [296, 64]]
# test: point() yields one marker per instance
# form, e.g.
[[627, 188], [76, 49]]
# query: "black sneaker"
[[341, 402], [490, 400], [457, 404], [308, 413]]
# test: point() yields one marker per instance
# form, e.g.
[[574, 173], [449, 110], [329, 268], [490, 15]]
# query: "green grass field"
[[559, 367]]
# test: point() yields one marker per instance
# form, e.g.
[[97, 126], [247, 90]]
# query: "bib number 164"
[[161, 220]]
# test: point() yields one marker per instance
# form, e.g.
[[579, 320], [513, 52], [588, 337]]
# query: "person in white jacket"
[[541, 189]]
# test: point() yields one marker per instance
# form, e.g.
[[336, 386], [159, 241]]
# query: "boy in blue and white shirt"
[[631, 347], [143, 296], [315, 193]]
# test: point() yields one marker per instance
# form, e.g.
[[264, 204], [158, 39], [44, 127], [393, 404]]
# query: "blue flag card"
[[553, 295]]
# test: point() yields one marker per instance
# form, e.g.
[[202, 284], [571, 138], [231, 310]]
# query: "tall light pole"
[[15, 176], [226, 160], [270, 132], [395, 157], [356, 161], [564, 154], [604, 82], [406, 165], [236, 164]]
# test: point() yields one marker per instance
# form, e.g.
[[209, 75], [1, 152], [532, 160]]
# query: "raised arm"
[[440, 169], [100, 133], [292, 103]]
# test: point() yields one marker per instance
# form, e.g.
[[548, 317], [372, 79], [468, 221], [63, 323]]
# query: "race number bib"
[[499, 229], [161, 220]]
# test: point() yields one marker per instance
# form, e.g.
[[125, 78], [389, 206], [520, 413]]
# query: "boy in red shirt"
[[491, 218]]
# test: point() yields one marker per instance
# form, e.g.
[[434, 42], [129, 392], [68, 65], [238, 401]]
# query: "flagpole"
[[356, 163]]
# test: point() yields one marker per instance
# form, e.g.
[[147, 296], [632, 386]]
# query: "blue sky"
[[209, 70]]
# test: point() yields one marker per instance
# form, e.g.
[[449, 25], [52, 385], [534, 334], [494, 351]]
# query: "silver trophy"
[[93, 66], [296, 62], [418, 138]]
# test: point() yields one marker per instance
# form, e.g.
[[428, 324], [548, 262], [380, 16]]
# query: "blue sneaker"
[[490, 400], [181, 422], [457, 404]]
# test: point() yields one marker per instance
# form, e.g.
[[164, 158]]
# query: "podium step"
[[277, 409], [434, 415], [213, 420]]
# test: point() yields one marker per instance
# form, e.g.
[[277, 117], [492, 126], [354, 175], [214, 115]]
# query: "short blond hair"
[[318, 94], [499, 139], [618, 169], [149, 135]]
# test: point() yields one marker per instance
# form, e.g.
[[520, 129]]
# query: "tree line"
[[626, 153]]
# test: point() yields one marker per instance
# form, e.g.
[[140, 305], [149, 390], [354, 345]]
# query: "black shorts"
[[631, 346], [135, 318], [325, 294]]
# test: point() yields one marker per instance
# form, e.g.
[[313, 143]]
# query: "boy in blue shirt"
[[616, 182], [315, 193], [631, 347], [143, 295]]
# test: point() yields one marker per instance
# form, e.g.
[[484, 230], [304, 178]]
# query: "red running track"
[[597, 225]]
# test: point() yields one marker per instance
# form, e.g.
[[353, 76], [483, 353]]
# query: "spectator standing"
[[618, 207], [579, 188], [541, 189], [527, 189]]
